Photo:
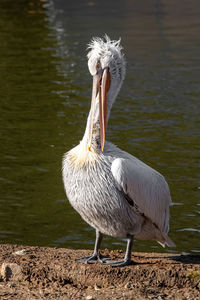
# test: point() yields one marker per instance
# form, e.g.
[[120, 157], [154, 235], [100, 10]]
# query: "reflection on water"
[[45, 97]]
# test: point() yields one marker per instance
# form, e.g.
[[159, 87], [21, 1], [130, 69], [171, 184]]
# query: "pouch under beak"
[[102, 83]]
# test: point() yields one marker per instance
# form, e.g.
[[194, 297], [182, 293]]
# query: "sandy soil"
[[53, 273]]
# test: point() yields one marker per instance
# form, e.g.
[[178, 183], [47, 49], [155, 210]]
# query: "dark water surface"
[[45, 90]]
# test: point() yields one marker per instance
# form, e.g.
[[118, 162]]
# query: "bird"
[[113, 191]]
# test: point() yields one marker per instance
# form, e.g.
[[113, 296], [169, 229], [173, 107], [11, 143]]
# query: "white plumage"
[[113, 191]]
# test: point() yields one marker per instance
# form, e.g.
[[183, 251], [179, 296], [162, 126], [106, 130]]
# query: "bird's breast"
[[87, 179]]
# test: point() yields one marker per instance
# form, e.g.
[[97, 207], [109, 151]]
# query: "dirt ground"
[[53, 273]]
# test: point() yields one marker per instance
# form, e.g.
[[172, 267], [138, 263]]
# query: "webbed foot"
[[93, 259], [117, 263]]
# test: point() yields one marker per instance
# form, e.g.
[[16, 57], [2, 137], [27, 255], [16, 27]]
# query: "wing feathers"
[[146, 187]]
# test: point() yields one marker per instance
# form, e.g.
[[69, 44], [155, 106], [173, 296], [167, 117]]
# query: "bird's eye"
[[98, 66]]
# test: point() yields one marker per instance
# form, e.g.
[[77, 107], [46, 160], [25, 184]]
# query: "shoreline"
[[52, 273]]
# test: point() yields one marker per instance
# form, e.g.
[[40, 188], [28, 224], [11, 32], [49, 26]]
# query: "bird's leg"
[[96, 255], [127, 258]]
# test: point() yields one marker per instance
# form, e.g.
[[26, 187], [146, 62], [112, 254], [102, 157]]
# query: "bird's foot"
[[88, 259], [92, 259], [117, 263]]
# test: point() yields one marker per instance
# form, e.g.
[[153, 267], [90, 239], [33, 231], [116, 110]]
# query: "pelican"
[[113, 191]]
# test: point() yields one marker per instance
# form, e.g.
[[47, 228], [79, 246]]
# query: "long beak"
[[102, 83], [94, 94], [103, 89]]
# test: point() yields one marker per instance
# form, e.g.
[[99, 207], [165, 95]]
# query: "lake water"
[[45, 91]]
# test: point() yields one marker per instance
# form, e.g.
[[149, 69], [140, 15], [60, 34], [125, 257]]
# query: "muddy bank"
[[53, 273]]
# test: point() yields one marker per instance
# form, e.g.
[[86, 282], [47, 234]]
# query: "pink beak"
[[101, 83]]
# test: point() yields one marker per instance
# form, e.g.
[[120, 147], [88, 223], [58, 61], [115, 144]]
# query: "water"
[[45, 90]]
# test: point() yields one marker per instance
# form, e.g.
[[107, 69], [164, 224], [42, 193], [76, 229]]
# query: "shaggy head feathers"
[[106, 53]]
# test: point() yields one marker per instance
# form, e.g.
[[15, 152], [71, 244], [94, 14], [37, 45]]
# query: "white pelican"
[[113, 191]]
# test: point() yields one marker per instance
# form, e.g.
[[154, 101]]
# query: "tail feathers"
[[167, 241], [150, 231]]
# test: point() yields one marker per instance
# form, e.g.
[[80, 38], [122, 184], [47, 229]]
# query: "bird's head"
[[107, 66]]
